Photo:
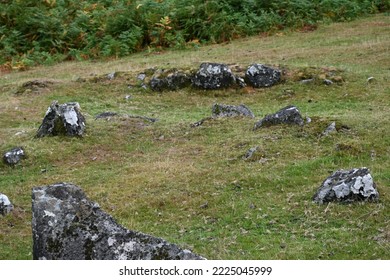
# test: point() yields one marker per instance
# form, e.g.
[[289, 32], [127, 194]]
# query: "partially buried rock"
[[213, 76], [62, 119], [348, 186], [169, 80], [221, 110], [14, 156], [259, 75], [5, 205], [287, 115], [67, 225]]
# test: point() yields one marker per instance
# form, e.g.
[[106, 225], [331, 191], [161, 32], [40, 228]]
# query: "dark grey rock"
[[221, 110], [169, 80], [213, 76], [287, 115], [62, 119], [259, 75], [14, 156], [348, 186], [67, 225], [5, 205]]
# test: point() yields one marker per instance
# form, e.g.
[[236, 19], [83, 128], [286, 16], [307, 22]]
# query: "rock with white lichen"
[[213, 76], [14, 156], [68, 226], [5, 205], [259, 75], [348, 186], [62, 119]]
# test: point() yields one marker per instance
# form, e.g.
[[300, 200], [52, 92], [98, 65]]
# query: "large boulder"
[[13, 156], [286, 115], [213, 76], [348, 186], [62, 119], [67, 225], [5, 205], [259, 75], [221, 110]]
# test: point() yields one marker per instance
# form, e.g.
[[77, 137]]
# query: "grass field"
[[191, 186]]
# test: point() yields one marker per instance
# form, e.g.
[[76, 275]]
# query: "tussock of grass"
[[190, 185]]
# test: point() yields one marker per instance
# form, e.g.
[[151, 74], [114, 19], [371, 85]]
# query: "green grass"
[[154, 177]]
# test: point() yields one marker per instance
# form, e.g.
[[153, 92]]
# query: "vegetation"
[[46, 31], [191, 185]]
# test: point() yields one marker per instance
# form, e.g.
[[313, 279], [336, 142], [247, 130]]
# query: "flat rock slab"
[[213, 76], [259, 75], [68, 226], [287, 115], [348, 186], [62, 119], [221, 110], [5, 205], [14, 156]]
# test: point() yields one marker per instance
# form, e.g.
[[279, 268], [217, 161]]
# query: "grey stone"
[[328, 82], [259, 75], [111, 76], [213, 76], [169, 80], [141, 77], [67, 225], [221, 110], [287, 115], [14, 156], [5, 205], [62, 119], [330, 129], [348, 186], [249, 154]]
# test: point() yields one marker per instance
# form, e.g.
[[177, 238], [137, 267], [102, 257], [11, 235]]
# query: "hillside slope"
[[190, 185]]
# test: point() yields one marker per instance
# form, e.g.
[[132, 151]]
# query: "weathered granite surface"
[[67, 225], [348, 186], [62, 119], [14, 156], [286, 115]]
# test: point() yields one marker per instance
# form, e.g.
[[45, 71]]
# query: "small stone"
[[287, 115], [328, 82], [370, 80], [331, 128], [14, 156], [105, 115], [221, 110], [111, 76], [249, 154], [5, 205], [141, 76]]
